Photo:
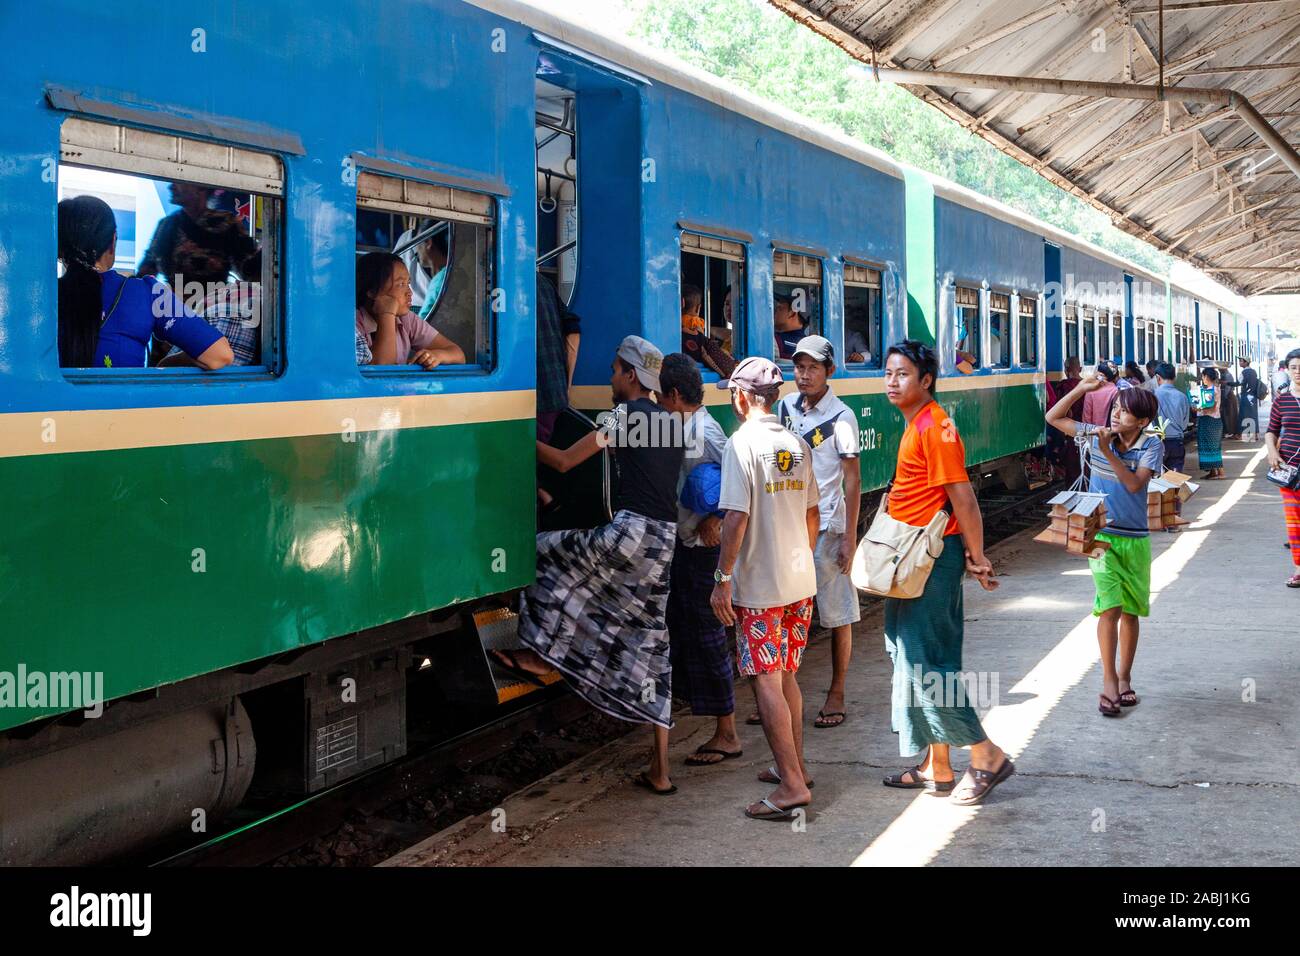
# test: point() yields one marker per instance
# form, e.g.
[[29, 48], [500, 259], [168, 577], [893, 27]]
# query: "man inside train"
[[422, 262], [788, 323]]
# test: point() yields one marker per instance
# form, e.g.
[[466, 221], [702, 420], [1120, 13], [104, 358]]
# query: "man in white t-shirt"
[[830, 429], [769, 493]]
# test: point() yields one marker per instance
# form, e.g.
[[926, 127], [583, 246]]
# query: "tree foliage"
[[759, 49]]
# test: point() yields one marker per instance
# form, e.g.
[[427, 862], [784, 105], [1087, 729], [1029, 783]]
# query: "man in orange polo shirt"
[[930, 710]]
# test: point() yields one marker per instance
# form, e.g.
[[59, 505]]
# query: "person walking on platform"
[[596, 611], [697, 641], [924, 635], [1248, 385], [1123, 459], [1209, 424], [830, 429], [769, 493], [1231, 409], [1097, 403], [1282, 439], [1175, 410]]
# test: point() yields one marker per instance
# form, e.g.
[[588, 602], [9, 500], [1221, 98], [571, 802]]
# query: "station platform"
[[1204, 771]]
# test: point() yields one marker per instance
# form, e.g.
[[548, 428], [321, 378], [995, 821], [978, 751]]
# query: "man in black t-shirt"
[[597, 611]]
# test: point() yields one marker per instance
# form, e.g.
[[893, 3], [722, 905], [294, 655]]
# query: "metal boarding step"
[[498, 629]]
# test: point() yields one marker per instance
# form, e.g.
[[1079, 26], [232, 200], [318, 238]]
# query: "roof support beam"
[[1015, 26], [1197, 5]]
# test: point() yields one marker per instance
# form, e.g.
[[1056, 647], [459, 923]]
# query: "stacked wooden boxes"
[[1077, 516], [1163, 494]]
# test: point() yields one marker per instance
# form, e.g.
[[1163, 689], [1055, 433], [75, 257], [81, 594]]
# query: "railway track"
[[368, 818]]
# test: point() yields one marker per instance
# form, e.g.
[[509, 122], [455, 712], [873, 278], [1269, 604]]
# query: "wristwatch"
[[719, 577]]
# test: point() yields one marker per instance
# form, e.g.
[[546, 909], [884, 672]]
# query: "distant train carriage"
[[257, 562]]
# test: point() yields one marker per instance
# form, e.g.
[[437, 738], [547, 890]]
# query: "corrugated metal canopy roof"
[[1189, 177]]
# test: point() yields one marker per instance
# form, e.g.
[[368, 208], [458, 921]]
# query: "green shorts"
[[1123, 575]]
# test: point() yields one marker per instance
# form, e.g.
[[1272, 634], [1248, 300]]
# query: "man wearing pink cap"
[[765, 581]]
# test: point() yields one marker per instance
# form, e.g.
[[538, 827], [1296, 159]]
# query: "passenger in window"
[[199, 244], [695, 334], [392, 334], [419, 260], [789, 325], [234, 310], [856, 345], [433, 259], [107, 320]]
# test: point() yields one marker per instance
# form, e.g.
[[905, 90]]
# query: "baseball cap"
[[753, 374], [816, 347], [644, 358]]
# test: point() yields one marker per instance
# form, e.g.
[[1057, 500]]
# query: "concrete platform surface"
[[1204, 770]]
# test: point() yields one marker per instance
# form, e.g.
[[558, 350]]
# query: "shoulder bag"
[[895, 559]]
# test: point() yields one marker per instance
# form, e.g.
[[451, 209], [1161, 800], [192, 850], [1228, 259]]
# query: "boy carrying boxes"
[[1124, 460]]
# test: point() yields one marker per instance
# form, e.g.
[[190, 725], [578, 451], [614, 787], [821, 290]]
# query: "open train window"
[[1160, 342], [1117, 333], [1140, 341], [1103, 337], [202, 219], [1150, 353], [966, 304], [713, 300], [999, 330], [863, 315], [1071, 331], [796, 299], [443, 238], [1028, 308], [1089, 336]]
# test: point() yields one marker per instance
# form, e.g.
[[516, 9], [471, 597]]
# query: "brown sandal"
[[1108, 707], [982, 782], [918, 782], [1128, 698]]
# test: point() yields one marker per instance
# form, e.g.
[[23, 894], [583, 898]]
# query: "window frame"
[[803, 255], [162, 155], [879, 318], [1088, 320], [1070, 317], [975, 333], [1001, 296], [487, 357], [739, 318], [1035, 308]]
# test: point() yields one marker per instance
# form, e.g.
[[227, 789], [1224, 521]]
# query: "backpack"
[[1261, 390]]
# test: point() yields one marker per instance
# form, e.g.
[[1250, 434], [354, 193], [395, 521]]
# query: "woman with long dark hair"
[[387, 331], [1209, 425], [106, 320]]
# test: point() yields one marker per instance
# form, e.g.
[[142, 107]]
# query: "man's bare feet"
[[708, 754]]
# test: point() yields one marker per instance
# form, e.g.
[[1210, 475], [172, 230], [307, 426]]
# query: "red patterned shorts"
[[771, 639]]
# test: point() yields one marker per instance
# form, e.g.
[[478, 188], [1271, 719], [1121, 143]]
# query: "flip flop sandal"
[[754, 720], [1293, 581], [771, 776], [1128, 699], [726, 755], [900, 781], [983, 781], [507, 662], [821, 721], [644, 783], [774, 812], [1107, 707]]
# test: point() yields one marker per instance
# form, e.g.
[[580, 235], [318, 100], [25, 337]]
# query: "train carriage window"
[[1139, 341], [1150, 353], [713, 300], [999, 330], [1103, 336], [1028, 331], [1071, 331], [796, 298], [1116, 333], [1160, 342], [863, 315], [445, 239], [202, 219], [967, 306], [1089, 336]]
